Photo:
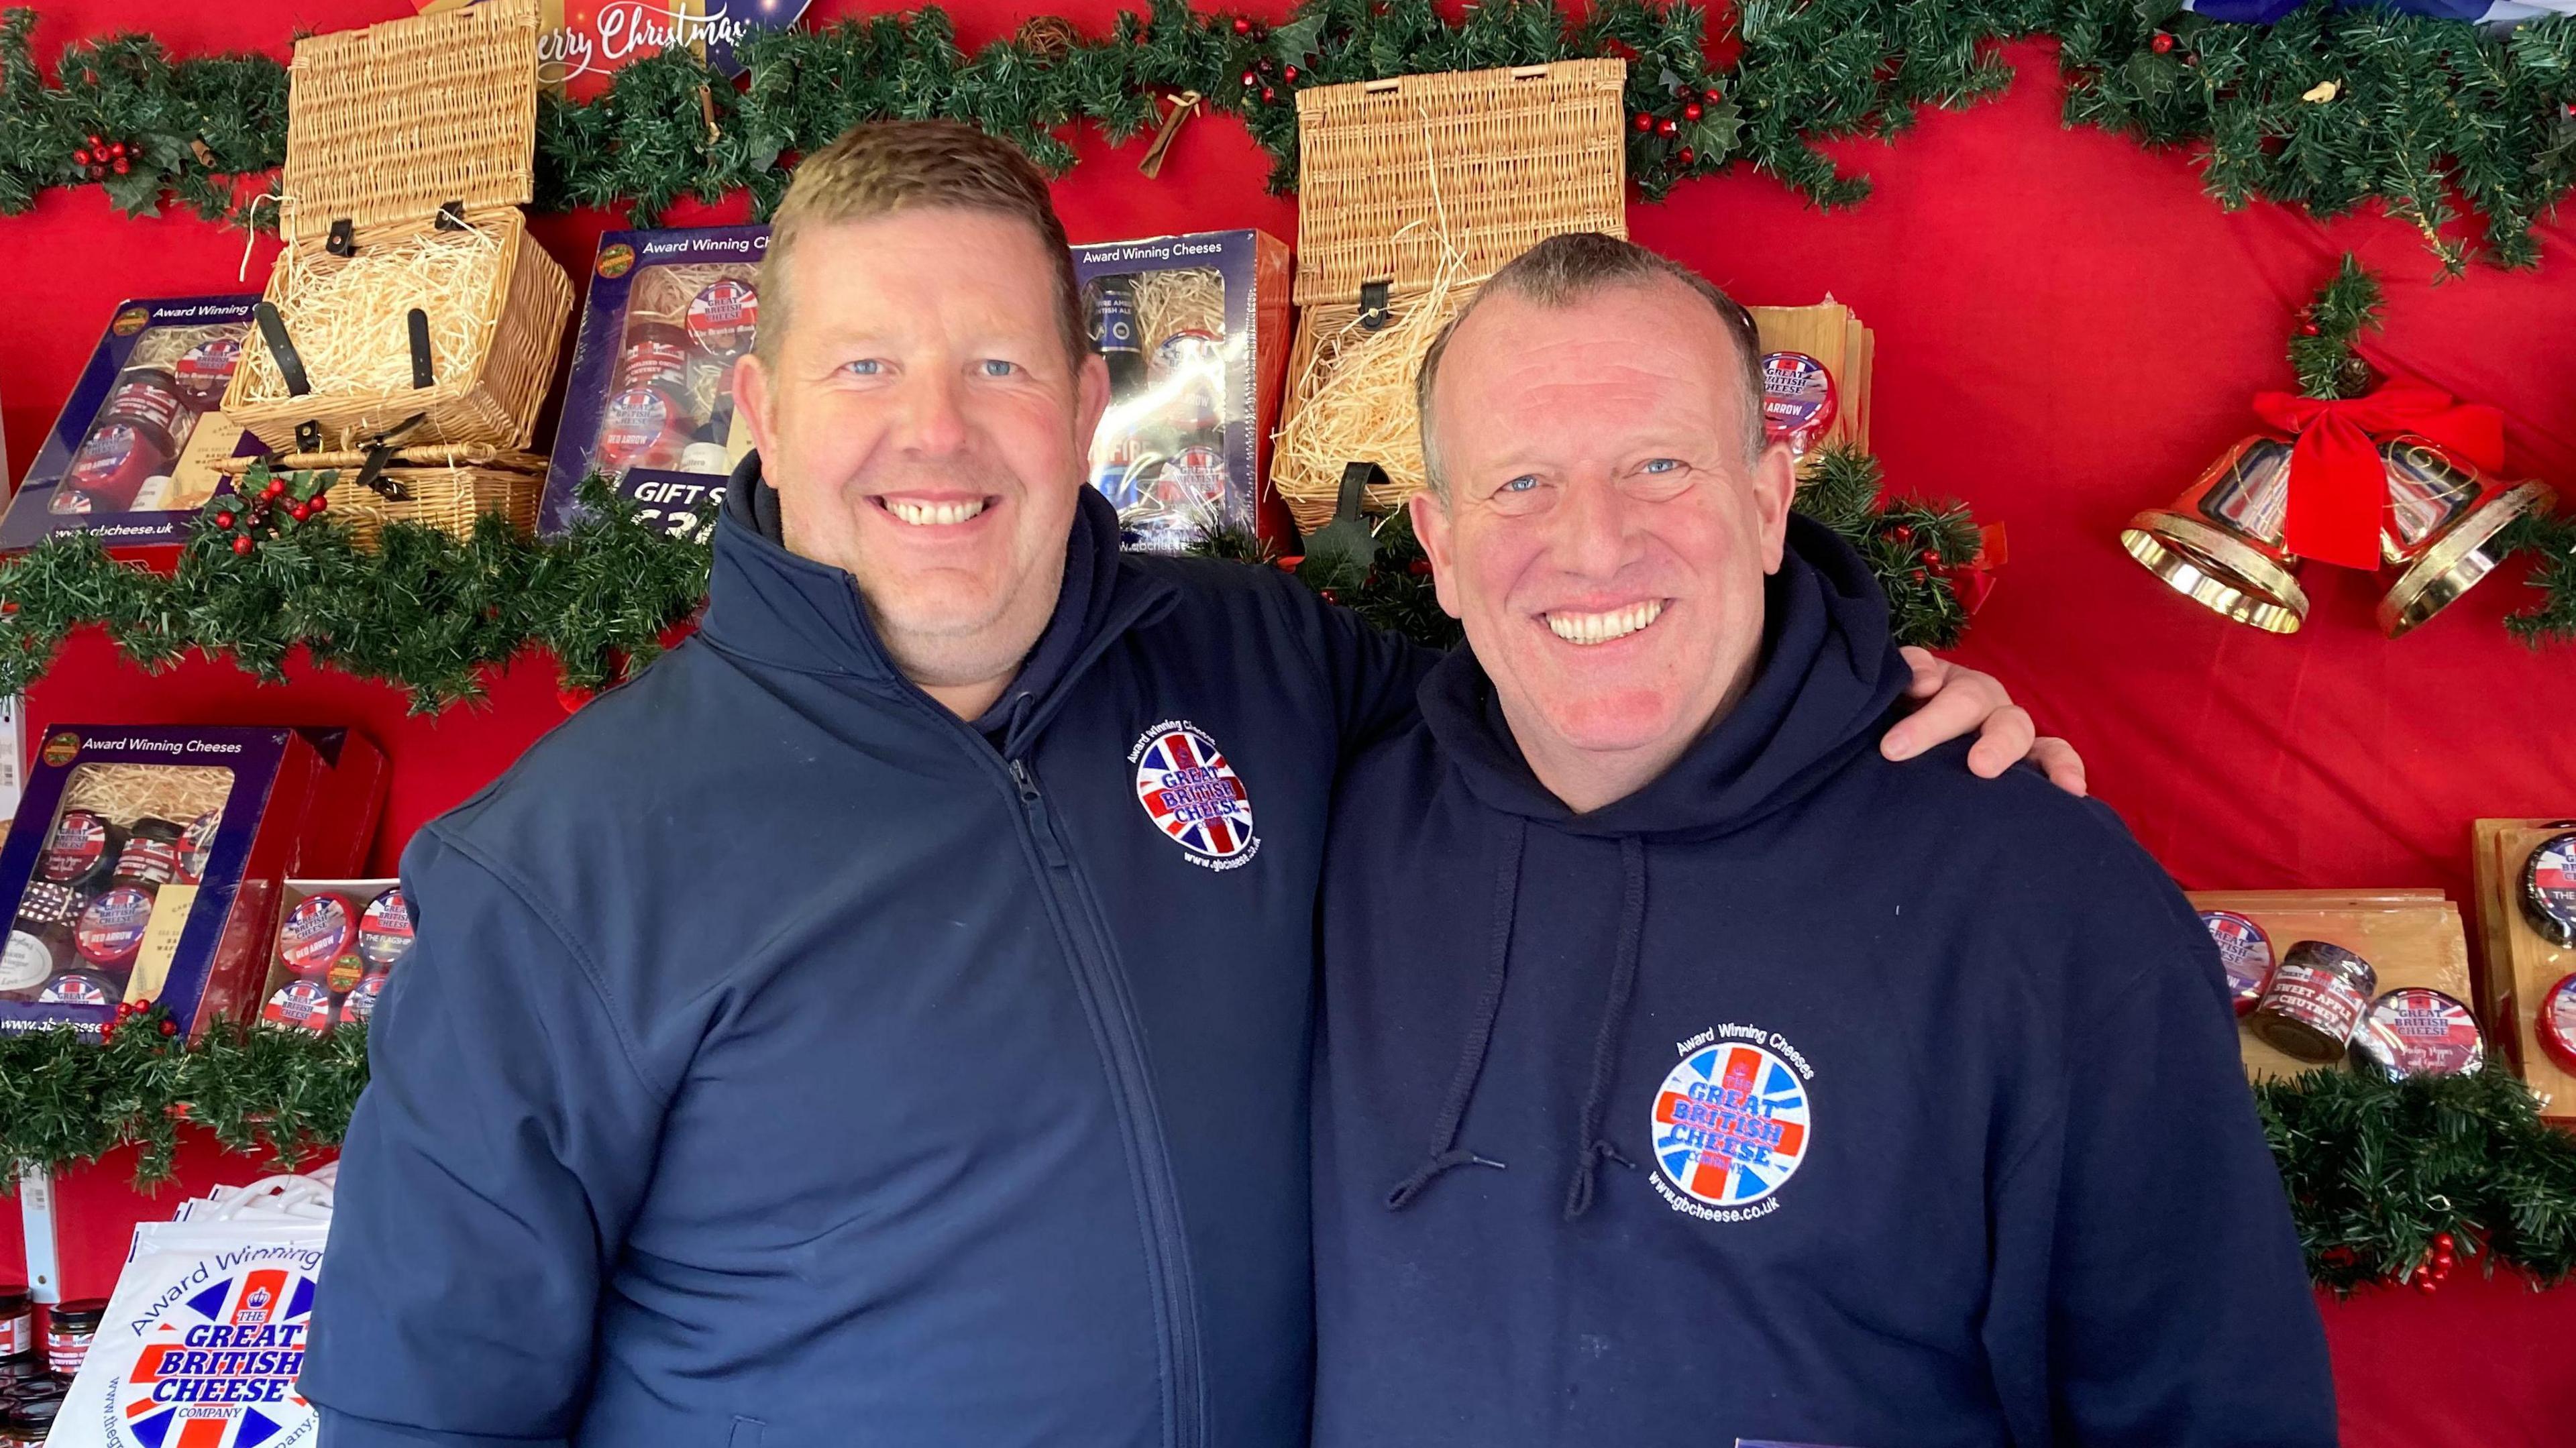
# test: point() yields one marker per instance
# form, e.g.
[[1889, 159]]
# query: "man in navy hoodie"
[[1691, 1074], [887, 1019]]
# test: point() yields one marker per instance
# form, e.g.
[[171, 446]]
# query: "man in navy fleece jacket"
[[1691, 1074]]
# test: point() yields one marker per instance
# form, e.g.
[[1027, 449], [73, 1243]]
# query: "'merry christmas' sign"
[[583, 41]]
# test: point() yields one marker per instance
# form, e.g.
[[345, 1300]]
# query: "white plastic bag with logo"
[[204, 1336]]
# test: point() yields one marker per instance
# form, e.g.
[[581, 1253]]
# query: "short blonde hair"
[[883, 167]]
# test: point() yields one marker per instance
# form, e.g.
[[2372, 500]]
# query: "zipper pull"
[[1033, 804]]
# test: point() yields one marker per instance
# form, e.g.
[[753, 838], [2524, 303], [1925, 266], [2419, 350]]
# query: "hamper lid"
[[1498, 159], [387, 124]]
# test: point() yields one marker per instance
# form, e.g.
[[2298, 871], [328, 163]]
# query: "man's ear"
[[1775, 483], [752, 398], [1431, 525], [1090, 400]]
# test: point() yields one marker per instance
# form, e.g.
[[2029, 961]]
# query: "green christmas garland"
[[2387, 1180], [2381, 1174], [64, 1099], [2326, 110], [425, 610]]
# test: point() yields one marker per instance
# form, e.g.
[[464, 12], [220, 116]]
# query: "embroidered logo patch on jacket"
[[1193, 796]]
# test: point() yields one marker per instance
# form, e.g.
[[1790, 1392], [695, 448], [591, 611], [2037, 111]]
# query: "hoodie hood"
[[768, 603], [1827, 672], [1826, 676]]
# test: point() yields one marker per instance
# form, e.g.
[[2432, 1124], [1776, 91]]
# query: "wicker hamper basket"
[[1428, 184], [447, 487], [414, 139]]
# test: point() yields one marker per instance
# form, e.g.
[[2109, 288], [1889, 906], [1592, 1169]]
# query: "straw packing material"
[[161, 346], [1187, 299], [349, 317], [663, 294], [129, 792], [1353, 402]]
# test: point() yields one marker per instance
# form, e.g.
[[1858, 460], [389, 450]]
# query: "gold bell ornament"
[[2359, 471]]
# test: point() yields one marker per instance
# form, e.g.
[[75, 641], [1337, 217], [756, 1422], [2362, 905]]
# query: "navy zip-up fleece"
[[1799, 1096], [784, 1061]]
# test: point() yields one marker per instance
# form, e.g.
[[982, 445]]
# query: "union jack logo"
[[1730, 1124], [2553, 866], [1191, 793], [218, 1369]]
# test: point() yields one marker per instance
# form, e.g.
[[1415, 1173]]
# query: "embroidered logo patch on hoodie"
[[1731, 1124]]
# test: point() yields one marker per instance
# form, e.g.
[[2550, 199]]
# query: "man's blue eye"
[[1521, 484], [865, 368], [995, 367], [1662, 465]]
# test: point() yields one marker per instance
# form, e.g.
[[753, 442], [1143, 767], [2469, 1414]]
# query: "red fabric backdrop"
[[2068, 330]]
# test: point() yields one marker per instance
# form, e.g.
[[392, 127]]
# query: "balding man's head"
[[1607, 506], [1565, 268]]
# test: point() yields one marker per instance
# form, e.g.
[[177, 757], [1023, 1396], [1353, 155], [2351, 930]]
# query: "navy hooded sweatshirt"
[[1799, 1096], [784, 1061]]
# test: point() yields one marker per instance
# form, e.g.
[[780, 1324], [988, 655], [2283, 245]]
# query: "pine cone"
[[1048, 37]]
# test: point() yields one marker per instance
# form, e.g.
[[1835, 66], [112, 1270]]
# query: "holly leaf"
[[1338, 556], [2151, 76], [2157, 12], [137, 192], [1717, 131], [167, 155], [1298, 39]]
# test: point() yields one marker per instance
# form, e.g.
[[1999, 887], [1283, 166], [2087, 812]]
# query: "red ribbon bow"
[[2338, 485]]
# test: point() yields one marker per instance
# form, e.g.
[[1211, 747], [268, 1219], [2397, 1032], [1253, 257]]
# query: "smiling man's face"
[[924, 421], [1603, 536]]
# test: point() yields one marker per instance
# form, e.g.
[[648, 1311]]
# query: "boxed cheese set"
[[2318, 977], [337, 943], [650, 404], [2526, 884], [149, 862], [1194, 329], [134, 453]]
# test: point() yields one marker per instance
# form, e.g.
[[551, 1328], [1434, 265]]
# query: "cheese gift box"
[[650, 405], [146, 863], [134, 454], [1195, 331], [337, 944]]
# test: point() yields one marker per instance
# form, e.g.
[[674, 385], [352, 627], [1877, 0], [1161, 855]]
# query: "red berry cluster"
[[250, 518], [1927, 556], [1266, 74], [102, 158], [1647, 123], [2437, 1264], [133, 1011]]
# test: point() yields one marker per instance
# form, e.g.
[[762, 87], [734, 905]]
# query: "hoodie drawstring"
[[1590, 1147], [1445, 1152]]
